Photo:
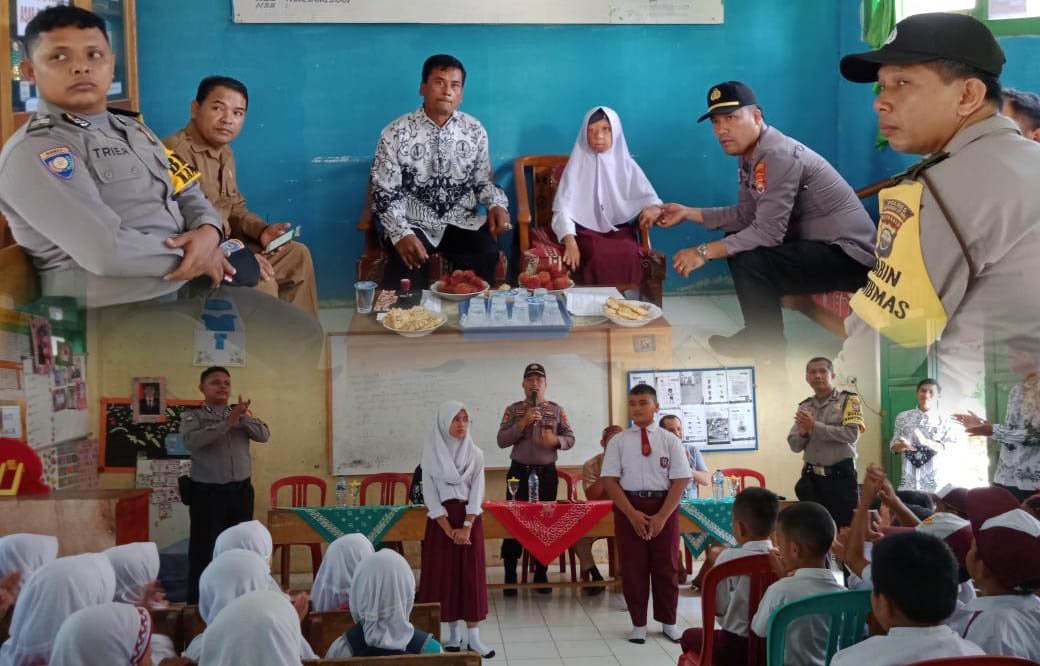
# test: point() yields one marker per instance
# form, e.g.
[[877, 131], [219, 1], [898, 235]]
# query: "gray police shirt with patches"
[[219, 452]]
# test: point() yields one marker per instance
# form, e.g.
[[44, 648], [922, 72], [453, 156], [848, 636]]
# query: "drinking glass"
[[364, 293], [512, 485]]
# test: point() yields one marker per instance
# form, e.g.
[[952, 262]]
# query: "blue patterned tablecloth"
[[332, 522], [714, 517]]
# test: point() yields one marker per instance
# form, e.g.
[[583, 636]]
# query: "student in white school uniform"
[[1004, 562], [915, 589], [754, 518], [331, 589], [805, 532], [645, 473], [260, 629]]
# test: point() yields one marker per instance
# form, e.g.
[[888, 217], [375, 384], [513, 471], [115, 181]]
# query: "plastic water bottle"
[[341, 491], [532, 487], [718, 484]]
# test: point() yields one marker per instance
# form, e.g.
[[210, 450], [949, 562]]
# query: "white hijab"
[[444, 457], [600, 191], [57, 590], [259, 629], [381, 600], [112, 634], [136, 565], [331, 587], [26, 553], [250, 535], [231, 575]]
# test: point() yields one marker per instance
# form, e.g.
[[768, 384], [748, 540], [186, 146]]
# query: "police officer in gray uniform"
[[537, 430], [797, 228], [826, 429], [220, 493]]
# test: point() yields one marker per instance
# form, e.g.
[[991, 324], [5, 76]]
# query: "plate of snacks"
[[413, 322], [554, 280], [630, 314], [458, 286]]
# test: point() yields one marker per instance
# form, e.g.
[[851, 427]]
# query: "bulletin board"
[[121, 439], [717, 406]]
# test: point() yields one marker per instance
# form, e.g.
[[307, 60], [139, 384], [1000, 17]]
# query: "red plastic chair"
[[984, 660], [744, 475], [299, 485], [387, 482], [762, 576], [571, 480]]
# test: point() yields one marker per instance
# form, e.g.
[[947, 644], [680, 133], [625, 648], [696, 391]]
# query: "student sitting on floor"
[[754, 518], [1004, 562], [331, 589], [805, 532], [915, 590], [381, 600]]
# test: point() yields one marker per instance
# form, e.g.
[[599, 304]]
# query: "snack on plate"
[[625, 309], [554, 278], [461, 282], [412, 319]]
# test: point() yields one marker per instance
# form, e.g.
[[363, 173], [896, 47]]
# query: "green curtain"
[[879, 18]]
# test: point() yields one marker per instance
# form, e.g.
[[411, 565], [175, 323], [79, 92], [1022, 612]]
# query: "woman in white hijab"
[[112, 634], [331, 587], [25, 553], [259, 629], [453, 564], [136, 566], [381, 604], [57, 590], [250, 535], [602, 192]]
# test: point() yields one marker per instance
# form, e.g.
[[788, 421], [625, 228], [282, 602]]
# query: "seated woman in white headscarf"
[[259, 629], [104, 635], [230, 575], [137, 572], [57, 590], [331, 589], [250, 535], [21, 555], [381, 604], [602, 196], [453, 564]]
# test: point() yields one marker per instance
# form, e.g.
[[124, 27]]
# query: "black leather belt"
[[841, 468], [647, 493]]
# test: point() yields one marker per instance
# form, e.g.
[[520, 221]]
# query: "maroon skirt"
[[611, 258], [454, 576]]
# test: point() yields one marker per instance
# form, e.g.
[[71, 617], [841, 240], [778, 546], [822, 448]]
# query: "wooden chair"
[[321, 629], [526, 565], [444, 659], [169, 622], [299, 485], [371, 265], [744, 474], [533, 221], [387, 482], [761, 576], [192, 624]]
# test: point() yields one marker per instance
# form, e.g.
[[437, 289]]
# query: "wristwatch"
[[702, 252], [467, 523]]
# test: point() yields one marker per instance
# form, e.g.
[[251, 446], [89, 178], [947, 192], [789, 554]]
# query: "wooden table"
[[85, 521], [287, 527]]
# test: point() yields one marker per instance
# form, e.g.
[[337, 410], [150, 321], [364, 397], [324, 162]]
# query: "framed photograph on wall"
[[148, 400], [40, 338], [716, 405]]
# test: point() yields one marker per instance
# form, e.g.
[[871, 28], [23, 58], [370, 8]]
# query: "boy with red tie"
[[644, 473]]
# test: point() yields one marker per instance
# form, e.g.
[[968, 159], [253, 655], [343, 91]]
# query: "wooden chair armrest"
[[523, 207], [365, 219], [644, 237]]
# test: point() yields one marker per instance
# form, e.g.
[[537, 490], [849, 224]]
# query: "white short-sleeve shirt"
[[731, 596], [806, 643], [1006, 624], [625, 461], [907, 645]]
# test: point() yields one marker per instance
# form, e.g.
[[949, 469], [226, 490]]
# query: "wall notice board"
[[121, 439], [716, 405]]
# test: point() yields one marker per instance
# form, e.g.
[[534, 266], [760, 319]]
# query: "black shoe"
[[510, 577], [454, 648], [594, 574], [489, 655], [540, 576]]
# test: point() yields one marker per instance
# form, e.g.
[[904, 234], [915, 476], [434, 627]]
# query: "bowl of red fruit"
[[554, 280], [458, 286]]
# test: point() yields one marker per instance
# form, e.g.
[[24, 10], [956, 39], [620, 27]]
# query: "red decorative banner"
[[547, 529]]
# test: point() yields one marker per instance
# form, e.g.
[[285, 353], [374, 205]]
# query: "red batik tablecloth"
[[547, 529]]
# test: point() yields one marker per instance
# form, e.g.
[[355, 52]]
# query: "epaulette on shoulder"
[[39, 123], [136, 115]]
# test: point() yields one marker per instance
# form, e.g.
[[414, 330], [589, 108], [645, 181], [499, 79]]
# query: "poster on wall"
[[716, 405], [148, 399]]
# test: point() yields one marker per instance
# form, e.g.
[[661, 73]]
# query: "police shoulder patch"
[[760, 177], [852, 412], [59, 162]]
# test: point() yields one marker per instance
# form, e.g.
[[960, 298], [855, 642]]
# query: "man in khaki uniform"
[[217, 115]]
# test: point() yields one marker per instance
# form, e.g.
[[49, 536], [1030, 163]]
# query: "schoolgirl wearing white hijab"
[[137, 566], [250, 535], [57, 590], [331, 589], [602, 191], [453, 563], [112, 634], [381, 600], [25, 553], [259, 629]]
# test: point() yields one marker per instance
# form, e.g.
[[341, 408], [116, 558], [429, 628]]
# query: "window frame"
[[999, 27]]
